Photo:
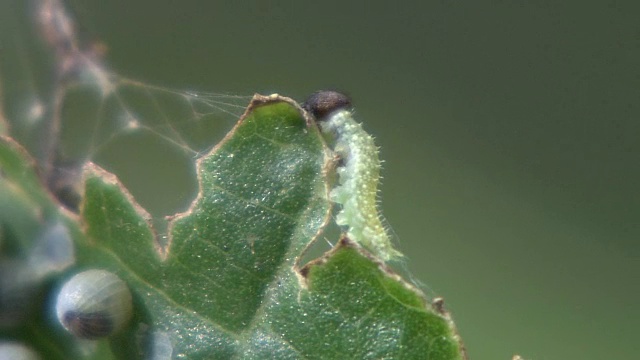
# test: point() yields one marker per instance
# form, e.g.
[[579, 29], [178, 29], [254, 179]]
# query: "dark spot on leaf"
[[345, 241], [304, 271], [64, 183]]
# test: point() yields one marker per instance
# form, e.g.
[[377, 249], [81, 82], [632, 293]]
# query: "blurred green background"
[[510, 134]]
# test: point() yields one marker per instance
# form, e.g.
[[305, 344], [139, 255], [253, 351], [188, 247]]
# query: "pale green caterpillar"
[[358, 173]]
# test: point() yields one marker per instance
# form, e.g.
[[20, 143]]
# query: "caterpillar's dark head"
[[324, 102]]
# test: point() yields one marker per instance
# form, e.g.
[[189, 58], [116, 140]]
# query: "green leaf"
[[225, 279], [35, 248], [22, 199], [227, 282], [351, 307]]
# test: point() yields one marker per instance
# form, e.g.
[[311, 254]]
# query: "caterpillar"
[[358, 172]]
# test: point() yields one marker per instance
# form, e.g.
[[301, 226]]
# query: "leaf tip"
[[92, 171]]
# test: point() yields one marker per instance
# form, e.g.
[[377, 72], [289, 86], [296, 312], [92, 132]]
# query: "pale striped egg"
[[94, 304]]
